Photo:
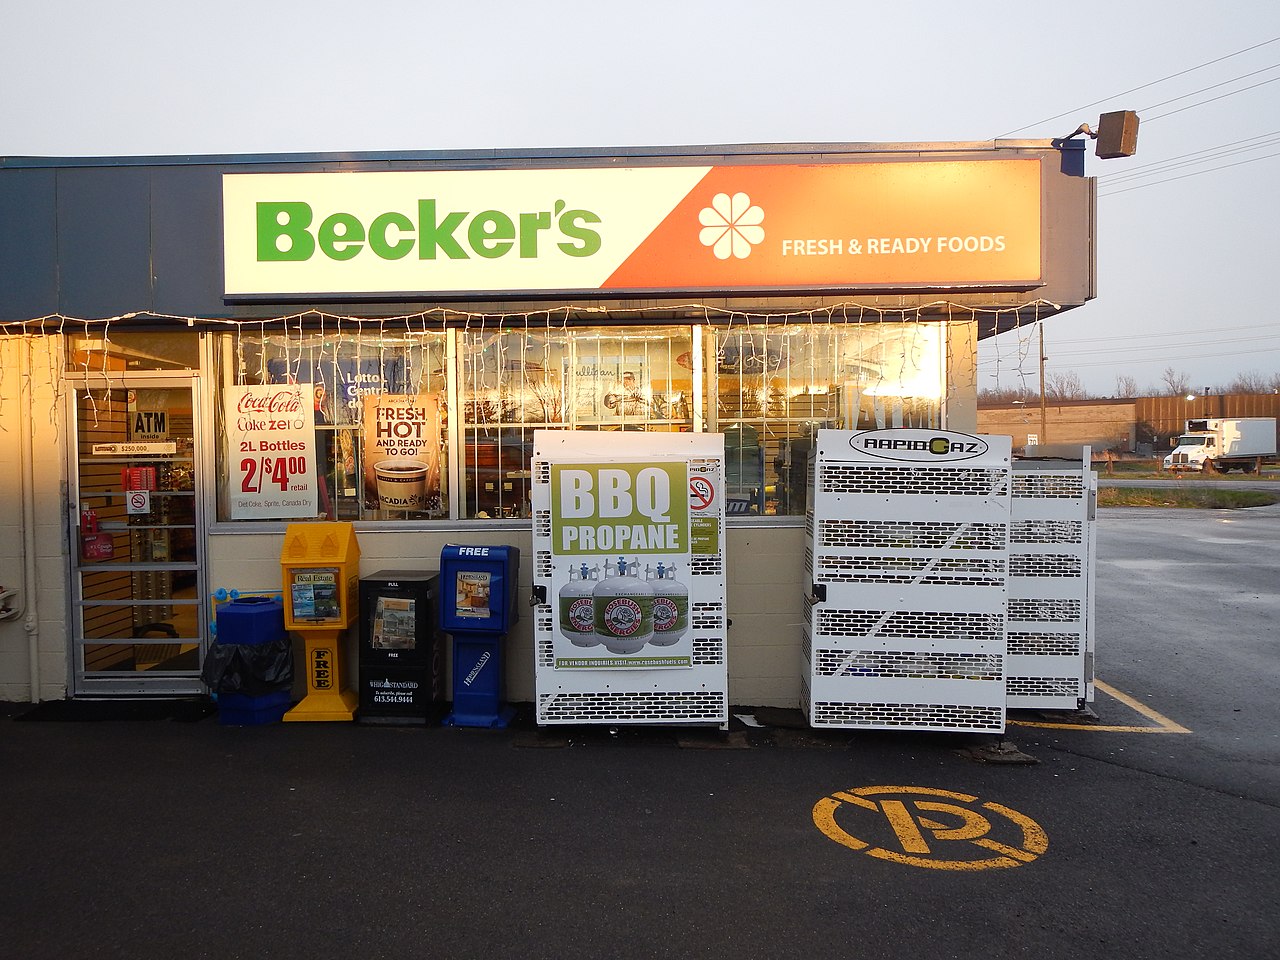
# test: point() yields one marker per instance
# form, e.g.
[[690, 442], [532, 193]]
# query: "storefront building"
[[199, 351]]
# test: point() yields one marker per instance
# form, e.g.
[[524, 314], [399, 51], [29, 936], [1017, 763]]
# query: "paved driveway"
[[168, 839]]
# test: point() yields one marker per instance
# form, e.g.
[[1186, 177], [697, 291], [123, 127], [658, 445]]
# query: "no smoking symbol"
[[701, 493]]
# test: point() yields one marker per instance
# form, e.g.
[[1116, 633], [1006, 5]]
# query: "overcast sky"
[[1186, 267]]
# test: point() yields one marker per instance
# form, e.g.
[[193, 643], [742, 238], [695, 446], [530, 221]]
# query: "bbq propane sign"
[[814, 226], [620, 552]]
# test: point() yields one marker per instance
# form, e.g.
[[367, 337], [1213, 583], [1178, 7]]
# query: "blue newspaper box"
[[477, 608]]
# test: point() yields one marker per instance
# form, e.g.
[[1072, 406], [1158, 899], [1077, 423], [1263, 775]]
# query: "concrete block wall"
[[765, 570], [31, 389]]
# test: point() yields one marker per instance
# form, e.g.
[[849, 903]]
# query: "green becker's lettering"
[[491, 233], [571, 226], [382, 246], [285, 233], [341, 236], [284, 221], [438, 234]]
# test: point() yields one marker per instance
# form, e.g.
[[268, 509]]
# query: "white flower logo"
[[731, 226]]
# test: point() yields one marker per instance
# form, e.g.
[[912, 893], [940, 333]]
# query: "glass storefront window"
[[768, 388], [98, 349], [515, 381], [346, 371]]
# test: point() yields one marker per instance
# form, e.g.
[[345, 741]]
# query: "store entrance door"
[[139, 624]]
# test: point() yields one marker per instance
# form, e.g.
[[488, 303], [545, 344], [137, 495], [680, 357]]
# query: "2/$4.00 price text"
[[280, 471]]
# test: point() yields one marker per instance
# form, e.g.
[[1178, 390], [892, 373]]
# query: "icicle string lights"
[[560, 318], [709, 314]]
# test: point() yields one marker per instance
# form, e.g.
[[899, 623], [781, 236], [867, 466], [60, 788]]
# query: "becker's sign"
[[667, 228]]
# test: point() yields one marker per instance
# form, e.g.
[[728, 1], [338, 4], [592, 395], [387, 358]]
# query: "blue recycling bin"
[[252, 620], [477, 608], [250, 667]]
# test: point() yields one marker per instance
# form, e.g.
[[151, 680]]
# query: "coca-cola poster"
[[271, 451]]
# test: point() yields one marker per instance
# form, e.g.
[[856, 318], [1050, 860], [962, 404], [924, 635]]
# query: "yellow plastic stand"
[[326, 699], [320, 565]]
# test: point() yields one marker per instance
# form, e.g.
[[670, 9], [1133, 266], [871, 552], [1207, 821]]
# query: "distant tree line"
[[1066, 385]]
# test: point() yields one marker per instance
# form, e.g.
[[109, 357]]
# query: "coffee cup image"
[[402, 484]]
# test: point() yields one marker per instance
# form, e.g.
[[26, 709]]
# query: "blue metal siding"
[[98, 237], [104, 242], [186, 241], [28, 245]]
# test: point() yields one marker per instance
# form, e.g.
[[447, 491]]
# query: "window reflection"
[[767, 388], [346, 370], [515, 382], [771, 389]]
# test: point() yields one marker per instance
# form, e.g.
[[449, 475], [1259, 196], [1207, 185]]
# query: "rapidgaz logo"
[[918, 446]]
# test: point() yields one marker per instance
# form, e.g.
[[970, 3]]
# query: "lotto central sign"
[[672, 228]]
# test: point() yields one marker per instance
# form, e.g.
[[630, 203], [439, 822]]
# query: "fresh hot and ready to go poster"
[[620, 546], [402, 453]]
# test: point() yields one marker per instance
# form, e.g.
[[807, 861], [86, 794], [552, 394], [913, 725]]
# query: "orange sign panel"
[[871, 224]]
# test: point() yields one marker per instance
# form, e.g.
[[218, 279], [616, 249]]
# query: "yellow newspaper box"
[[320, 568]]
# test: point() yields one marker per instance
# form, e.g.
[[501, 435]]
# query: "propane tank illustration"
[[623, 606], [577, 617], [670, 606]]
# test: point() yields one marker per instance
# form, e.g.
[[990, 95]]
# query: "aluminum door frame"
[[136, 683]]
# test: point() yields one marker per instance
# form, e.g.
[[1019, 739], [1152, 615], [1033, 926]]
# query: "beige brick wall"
[[765, 584], [36, 397], [764, 565]]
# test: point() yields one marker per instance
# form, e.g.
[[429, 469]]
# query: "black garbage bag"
[[252, 669]]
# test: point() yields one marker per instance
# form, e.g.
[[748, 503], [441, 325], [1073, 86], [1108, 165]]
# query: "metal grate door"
[[908, 557], [1050, 614], [696, 695]]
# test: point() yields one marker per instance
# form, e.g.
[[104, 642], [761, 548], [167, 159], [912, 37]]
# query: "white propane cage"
[[908, 558], [693, 694], [1053, 545]]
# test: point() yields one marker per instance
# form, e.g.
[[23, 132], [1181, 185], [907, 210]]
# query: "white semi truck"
[[1219, 445]]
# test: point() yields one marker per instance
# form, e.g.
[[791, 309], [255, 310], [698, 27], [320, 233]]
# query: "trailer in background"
[[1217, 445]]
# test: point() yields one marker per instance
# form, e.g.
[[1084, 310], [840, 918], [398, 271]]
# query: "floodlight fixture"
[[1116, 136]]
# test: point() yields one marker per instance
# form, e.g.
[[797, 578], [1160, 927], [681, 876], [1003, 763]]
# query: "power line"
[[1166, 346], [1131, 351], [1225, 166], [1141, 87], [1128, 356], [1192, 106], [1028, 328], [1209, 153], [1212, 86], [1128, 353], [1143, 178], [1176, 333], [1167, 360], [1135, 361]]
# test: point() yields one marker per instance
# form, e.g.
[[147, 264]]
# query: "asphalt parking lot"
[[1152, 832]]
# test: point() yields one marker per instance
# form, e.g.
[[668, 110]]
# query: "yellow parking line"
[[1164, 724]]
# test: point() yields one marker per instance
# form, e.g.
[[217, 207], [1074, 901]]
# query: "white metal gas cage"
[[908, 565], [629, 576], [1053, 543]]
